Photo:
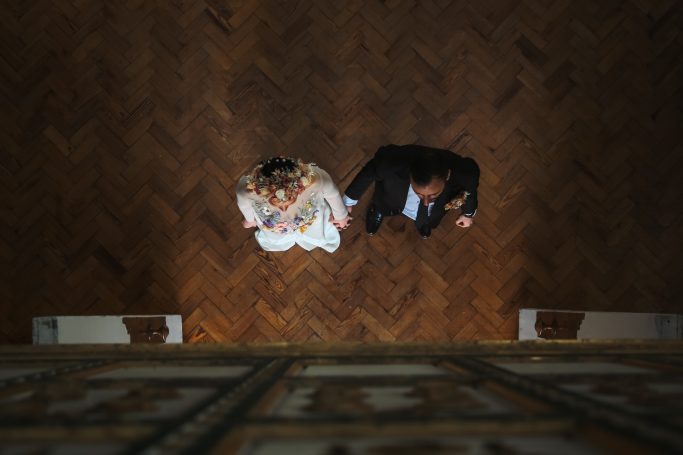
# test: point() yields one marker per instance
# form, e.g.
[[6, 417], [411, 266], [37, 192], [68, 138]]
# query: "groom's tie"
[[422, 215]]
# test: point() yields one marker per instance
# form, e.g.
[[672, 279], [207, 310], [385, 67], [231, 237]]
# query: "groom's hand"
[[349, 208], [463, 221]]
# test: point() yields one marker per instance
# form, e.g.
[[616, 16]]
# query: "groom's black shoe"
[[425, 231], [373, 219]]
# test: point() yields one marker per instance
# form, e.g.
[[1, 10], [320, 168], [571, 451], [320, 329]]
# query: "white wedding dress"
[[304, 223]]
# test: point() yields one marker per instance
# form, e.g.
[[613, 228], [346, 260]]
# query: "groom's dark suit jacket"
[[390, 170]]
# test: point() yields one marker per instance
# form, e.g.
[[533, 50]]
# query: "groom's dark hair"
[[427, 167]]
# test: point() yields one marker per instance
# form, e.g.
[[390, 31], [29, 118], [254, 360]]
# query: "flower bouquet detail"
[[457, 201], [282, 185]]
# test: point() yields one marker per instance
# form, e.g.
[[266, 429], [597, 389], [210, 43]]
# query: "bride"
[[289, 202]]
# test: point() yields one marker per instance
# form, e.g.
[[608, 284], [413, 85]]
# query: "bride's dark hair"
[[277, 163]]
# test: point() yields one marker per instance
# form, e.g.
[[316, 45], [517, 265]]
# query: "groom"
[[419, 182]]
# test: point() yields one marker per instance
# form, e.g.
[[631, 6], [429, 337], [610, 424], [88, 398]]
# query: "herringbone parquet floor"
[[126, 124]]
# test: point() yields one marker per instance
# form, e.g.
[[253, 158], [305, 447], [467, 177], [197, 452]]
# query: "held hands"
[[463, 221], [341, 224], [344, 222], [248, 224]]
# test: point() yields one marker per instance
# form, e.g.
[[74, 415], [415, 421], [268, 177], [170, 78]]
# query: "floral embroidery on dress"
[[272, 219], [307, 216], [269, 218]]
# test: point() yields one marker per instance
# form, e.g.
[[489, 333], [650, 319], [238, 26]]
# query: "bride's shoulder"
[[319, 174], [246, 188]]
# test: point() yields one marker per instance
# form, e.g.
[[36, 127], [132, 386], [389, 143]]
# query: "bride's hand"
[[248, 224], [341, 224]]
